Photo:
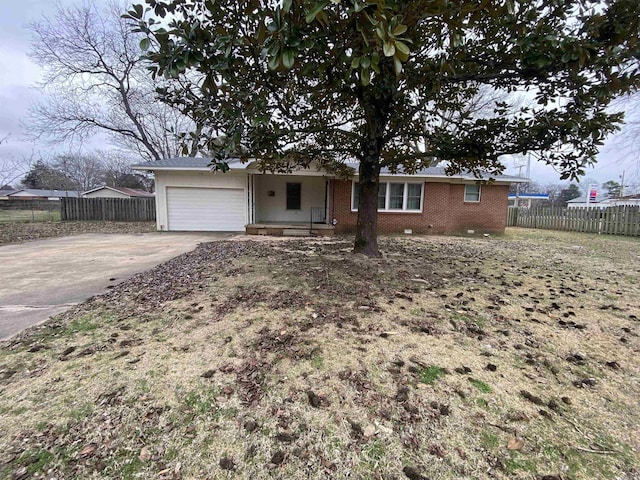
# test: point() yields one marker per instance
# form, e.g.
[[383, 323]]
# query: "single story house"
[[602, 201], [191, 197], [4, 193], [39, 194], [116, 192]]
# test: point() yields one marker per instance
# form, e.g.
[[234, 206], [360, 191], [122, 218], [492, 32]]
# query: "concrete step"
[[296, 232]]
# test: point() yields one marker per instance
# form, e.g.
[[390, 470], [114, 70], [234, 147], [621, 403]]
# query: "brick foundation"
[[444, 211]]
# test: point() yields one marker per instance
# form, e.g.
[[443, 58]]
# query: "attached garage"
[[206, 209]]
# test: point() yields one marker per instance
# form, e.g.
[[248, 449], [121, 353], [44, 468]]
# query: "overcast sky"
[[18, 75]]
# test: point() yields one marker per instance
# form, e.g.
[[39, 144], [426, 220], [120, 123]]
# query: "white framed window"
[[393, 196], [472, 193]]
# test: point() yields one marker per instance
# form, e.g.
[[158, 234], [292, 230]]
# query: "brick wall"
[[444, 211]]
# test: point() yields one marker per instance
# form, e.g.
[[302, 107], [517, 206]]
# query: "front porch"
[[292, 229], [289, 205]]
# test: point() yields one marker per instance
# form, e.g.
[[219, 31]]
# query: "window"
[[396, 196], [414, 195], [393, 197], [382, 196], [472, 193], [293, 196]]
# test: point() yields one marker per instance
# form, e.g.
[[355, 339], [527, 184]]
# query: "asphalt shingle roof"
[[36, 192], [183, 162], [236, 164]]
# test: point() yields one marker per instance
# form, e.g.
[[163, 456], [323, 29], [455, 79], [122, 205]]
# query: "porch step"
[[296, 232]]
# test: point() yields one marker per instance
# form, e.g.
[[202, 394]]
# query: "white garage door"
[[206, 209]]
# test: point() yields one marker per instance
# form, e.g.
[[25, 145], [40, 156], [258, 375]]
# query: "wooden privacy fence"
[[109, 209], [622, 220]]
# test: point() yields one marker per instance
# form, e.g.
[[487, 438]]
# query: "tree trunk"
[[376, 102], [366, 241]]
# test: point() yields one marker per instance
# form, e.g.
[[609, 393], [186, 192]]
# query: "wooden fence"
[[622, 220], [109, 209]]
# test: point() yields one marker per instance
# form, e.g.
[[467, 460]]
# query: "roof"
[[186, 163], [599, 198], [439, 172], [7, 192], [203, 163], [132, 192], [529, 196], [35, 192]]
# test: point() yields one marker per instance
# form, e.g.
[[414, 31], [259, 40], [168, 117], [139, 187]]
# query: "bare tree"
[[11, 167], [626, 143], [96, 81], [480, 105], [118, 172], [629, 137], [83, 171]]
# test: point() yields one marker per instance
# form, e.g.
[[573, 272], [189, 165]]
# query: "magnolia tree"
[[295, 81]]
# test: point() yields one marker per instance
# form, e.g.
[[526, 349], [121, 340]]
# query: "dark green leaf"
[[317, 8], [288, 58], [274, 62], [365, 76]]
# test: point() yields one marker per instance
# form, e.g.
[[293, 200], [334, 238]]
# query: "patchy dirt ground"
[[17, 232], [513, 357]]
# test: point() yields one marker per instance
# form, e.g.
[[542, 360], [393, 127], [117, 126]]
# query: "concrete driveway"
[[45, 277]]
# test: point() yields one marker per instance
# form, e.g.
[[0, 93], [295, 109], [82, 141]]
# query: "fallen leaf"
[[88, 450], [369, 431], [145, 454], [515, 443]]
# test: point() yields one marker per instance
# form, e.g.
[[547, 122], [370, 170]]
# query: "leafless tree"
[[83, 171], [96, 81], [11, 167], [118, 171], [626, 143], [481, 105]]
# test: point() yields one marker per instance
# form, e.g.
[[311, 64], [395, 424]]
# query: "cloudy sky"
[[19, 75]]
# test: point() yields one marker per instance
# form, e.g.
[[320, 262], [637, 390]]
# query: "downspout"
[[326, 201], [333, 201]]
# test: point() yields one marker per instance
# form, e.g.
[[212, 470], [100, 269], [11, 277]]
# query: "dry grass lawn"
[[13, 231], [8, 216], [450, 358]]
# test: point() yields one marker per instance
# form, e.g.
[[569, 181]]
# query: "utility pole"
[[516, 203], [621, 193]]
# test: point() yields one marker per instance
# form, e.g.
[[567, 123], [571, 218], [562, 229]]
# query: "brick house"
[[189, 196]]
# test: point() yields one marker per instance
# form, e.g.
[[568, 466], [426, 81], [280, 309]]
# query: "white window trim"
[[479, 193], [387, 196]]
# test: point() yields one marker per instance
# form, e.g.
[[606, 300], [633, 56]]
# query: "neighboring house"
[[581, 202], [116, 192], [603, 202], [37, 194], [189, 196], [4, 194]]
